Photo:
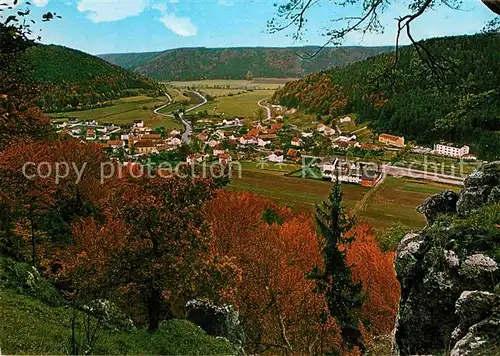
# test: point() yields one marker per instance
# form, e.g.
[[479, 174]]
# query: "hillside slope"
[[70, 77], [35, 320], [462, 107], [238, 63]]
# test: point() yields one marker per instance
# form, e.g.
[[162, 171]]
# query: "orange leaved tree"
[[275, 249], [278, 309], [152, 251], [376, 270]]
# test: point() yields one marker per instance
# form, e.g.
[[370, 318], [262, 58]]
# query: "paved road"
[[412, 173], [268, 109], [359, 130], [156, 111], [187, 126]]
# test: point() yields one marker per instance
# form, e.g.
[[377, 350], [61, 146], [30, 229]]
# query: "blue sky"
[[113, 26]]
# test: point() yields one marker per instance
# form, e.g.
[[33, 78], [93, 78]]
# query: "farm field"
[[293, 192], [260, 83], [269, 168], [394, 201], [238, 105], [125, 111], [218, 92], [305, 122], [176, 94]]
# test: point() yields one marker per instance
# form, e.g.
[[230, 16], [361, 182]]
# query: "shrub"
[[389, 239], [26, 279]]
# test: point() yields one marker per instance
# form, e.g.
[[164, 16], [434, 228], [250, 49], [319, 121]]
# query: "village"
[[342, 149]]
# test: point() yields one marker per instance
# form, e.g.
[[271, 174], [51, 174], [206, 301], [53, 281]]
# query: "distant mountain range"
[[69, 78], [239, 63]]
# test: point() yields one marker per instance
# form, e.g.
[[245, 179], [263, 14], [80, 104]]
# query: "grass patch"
[[424, 189], [296, 193], [239, 105], [394, 202], [305, 122], [216, 92], [269, 167], [31, 326]]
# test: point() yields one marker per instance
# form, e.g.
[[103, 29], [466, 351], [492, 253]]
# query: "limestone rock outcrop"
[[450, 273], [220, 321]]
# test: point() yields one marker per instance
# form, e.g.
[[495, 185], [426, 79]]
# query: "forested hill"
[[69, 78], [462, 105], [239, 63]]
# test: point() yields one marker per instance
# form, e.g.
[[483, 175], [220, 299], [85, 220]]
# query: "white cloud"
[[111, 10], [179, 25], [162, 7], [182, 26], [40, 3]]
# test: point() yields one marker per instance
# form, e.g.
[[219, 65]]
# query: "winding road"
[[187, 126], [268, 109]]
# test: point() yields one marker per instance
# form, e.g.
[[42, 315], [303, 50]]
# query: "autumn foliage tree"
[[18, 117], [24, 200], [275, 300], [153, 248], [275, 249], [376, 270], [46, 185]]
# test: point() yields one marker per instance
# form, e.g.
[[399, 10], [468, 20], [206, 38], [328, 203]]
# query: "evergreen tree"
[[343, 296]]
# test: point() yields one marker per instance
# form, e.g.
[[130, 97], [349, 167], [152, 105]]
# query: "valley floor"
[[394, 201], [125, 111]]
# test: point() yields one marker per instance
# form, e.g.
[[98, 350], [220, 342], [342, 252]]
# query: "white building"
[[194, 158], [174, 141], [347, 172], [221, 134], [262, 143], [275, 158], [174, 133], [212, 143], [138, 124], [451, 151], [247, 140], [218, 150], [296, 141], [235, 122], [329, 131], [344, 138], [345, 119]]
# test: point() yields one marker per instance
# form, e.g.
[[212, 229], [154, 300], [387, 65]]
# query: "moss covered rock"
[[449, 272]]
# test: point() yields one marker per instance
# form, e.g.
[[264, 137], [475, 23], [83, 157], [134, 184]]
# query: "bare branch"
[[336, 35]]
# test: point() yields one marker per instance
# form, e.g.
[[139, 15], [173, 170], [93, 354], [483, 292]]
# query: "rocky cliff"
[[449, 273]]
